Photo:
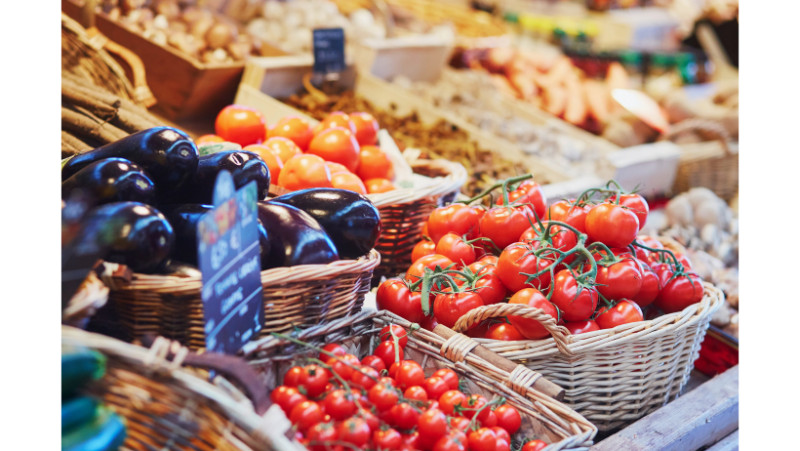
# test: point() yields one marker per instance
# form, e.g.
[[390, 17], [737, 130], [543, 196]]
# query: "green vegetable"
[[107, 432], [77, 412], [80, 367]]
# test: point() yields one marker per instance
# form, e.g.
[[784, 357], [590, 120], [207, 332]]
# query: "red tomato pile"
[[580, 261], [385, 402], [340, 152]]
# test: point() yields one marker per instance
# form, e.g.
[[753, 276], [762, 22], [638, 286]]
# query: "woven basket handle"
[[231, 367], [560, 334], [702, 125]]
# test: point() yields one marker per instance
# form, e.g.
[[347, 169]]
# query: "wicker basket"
[[543, 417], [90, 297], [297, 296], [714, 166], [405, 210], [611, 376], [168, 407]]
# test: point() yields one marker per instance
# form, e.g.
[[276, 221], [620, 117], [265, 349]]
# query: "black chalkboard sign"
[[328, 50]]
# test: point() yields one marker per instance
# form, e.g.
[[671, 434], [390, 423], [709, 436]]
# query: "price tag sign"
[[328, 50], [230, 259]]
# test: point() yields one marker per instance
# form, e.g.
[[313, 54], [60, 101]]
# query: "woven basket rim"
[[91, 295], [453, 181]]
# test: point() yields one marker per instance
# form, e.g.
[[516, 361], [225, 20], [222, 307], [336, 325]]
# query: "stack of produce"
[[439, 140], [384, 401], [582, 261], [479, 98]]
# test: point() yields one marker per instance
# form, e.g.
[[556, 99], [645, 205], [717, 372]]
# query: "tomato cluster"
[[339, 152], [581, 261], [385, 402]]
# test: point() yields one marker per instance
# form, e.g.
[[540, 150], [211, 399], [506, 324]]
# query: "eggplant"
[[243, 165], [350, 219], [166, 154], [111, 180], [131, 233], [295, 237], [184, 219]]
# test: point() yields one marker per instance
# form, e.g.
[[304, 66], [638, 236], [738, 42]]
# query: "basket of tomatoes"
[[343, 151], [571, 290], [377, 381]]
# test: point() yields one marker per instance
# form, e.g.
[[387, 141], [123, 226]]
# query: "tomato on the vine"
[[569, 213], [581, 327], [395, 296], [449, 376], [343, 365], [387, 439], [417, 269], [435, 386], [306, 414], [577, 302], [680, 292], [504, 332], [374, 361], [619, 280], [409, 373], [558, 237], [387, 351], [483, 439], [456, 249], [503, 225], [651, 286], [450, 399], [423, 248], [287, 397], [449, 307], [383, 396], [623, 312], [354, 430], [320, 436], [457, 218], [534, 445], [517, 260], [508, 418], [392, 331], [364, 377], [528, 193], [637, 204], [611, 224], [339, 404], [488, 284], [528, 327], [403, 415]]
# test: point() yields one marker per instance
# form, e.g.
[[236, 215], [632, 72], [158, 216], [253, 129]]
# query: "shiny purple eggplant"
[[243, 165], [295, 237], [111, 180]]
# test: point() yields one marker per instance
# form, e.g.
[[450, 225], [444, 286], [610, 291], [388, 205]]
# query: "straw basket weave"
[[297, 296], [169, 407], [611, 376], [543, 417], [700, 165], [91, 296], [404, 212]]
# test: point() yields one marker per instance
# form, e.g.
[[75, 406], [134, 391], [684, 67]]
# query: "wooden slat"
[[729, 443], [701, 417]]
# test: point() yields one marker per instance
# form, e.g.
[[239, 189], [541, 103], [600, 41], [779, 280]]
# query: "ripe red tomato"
[[449, 443], [423, 248], [321, 434], [294, 128], [364, 377], [383, 396], [431, 262], [274, 163], [503, 331], [305, 171], [567, 212], [343, 365], [488, 285], [534, 445], [435, 386], [366, 127], [387, 439], [457, 218], [386, 352], [339, 404], [580, 327], [394, 295], [576, 302], [471, 406], [621, 280], [336, 119], [503, 225], [530, 328], [240, 124], [392, 331], [449, 307], [680, 292], [456, 249], [375, 362], [623, 312], [449, 400], [348, 181], [528, 192], [449, 376], [378, 185], [431, 425], [611, 224], [287, 397], [336, 144], [374, 163], [508, 418], [416, 393], [637, 204], [315, 378], [294, 377], [558, 237], [409, 373], [518, 259], [306, 414], [403, 415], [483, 439], [354, 431], [651, 286]]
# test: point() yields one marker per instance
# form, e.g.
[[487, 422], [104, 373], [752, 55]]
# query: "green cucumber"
[[80, 367], [77, 412], [106, 433]]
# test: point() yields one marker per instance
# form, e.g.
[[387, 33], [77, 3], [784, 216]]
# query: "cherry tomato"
[[423, 248], [456, 249], [503, 331], [383, 396], [283, 148], [680, 292], [394, 295], [306, 414], [528, 192], [567, 212], [449, 400], [305, 171], [432, 424], [651, 286], [558, 237], [623, 312], [364, 377], [516, 261], [336, 144], [448, 443], [613, 225], [392, 331], [473, 403], [410, 441], [449, 376], [294, 128], [332, 349], [208, 139], [386, 439], [321, 435], [343, 365], [508, 418], [502, 444], [386, 352], [530, 328], [483, 439], [403, 415], [348, 181], [503, 225], [637, 204], [374, 163], [287, 397], [366, 127], [620, 280], [576, 302], [431, 262], [240, 124], [501, 433], [449, 307], [315, 378], [375, 362], [409, 373], [294, 377], [354, 431], [581, 327], [416, 393], [339, 404], [435, 386], [488, 285], [457, 218], [534, 445]]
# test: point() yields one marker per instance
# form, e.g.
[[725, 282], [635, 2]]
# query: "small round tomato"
[[528, 327], [504, 332], [315, 378], [339, 404], [387, 439], [364, 377], [449, 400], [283, 148], [409, 373], [274, 163], [374, 163], [567, 212], [392, 331], [457, 218], [651, 286], [473, 403], [378, 185], [508, 418], [483, 439], [294, 377], [620, 280], [332, 350], [383, 396], [423, 248], [295, 128], [516, 261], [503, 225], [528, 193], [415, 393], [613, 225], [348, 181], [343, 365], [456, 249], [240, 124], [623, 312], [581, 327], [208, 139], [432, 424], [417, 269], [393, 295], [576, 302], [403, 415], [449, 443], [321, 435], [488, 285], [336, 144], [354, 431], [387, 351], [305, 415], [449, 376], [305, 171], [435, 386], [449, 307], [336, 119], [680, 292], [637, 204], [534, 445], [287, 397], [374, 361], [366, 127]]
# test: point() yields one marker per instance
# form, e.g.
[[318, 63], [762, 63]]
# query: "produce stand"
[[407, 224]]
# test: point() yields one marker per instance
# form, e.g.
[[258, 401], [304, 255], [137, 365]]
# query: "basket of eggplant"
[[149, 191]]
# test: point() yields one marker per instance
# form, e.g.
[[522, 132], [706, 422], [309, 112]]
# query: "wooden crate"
[[184, 87]]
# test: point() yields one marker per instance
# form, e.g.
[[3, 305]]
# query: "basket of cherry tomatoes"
[[376, 381], [571, 289]]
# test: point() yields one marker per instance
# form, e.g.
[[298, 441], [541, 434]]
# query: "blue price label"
[[230, 260], [328, 50]]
